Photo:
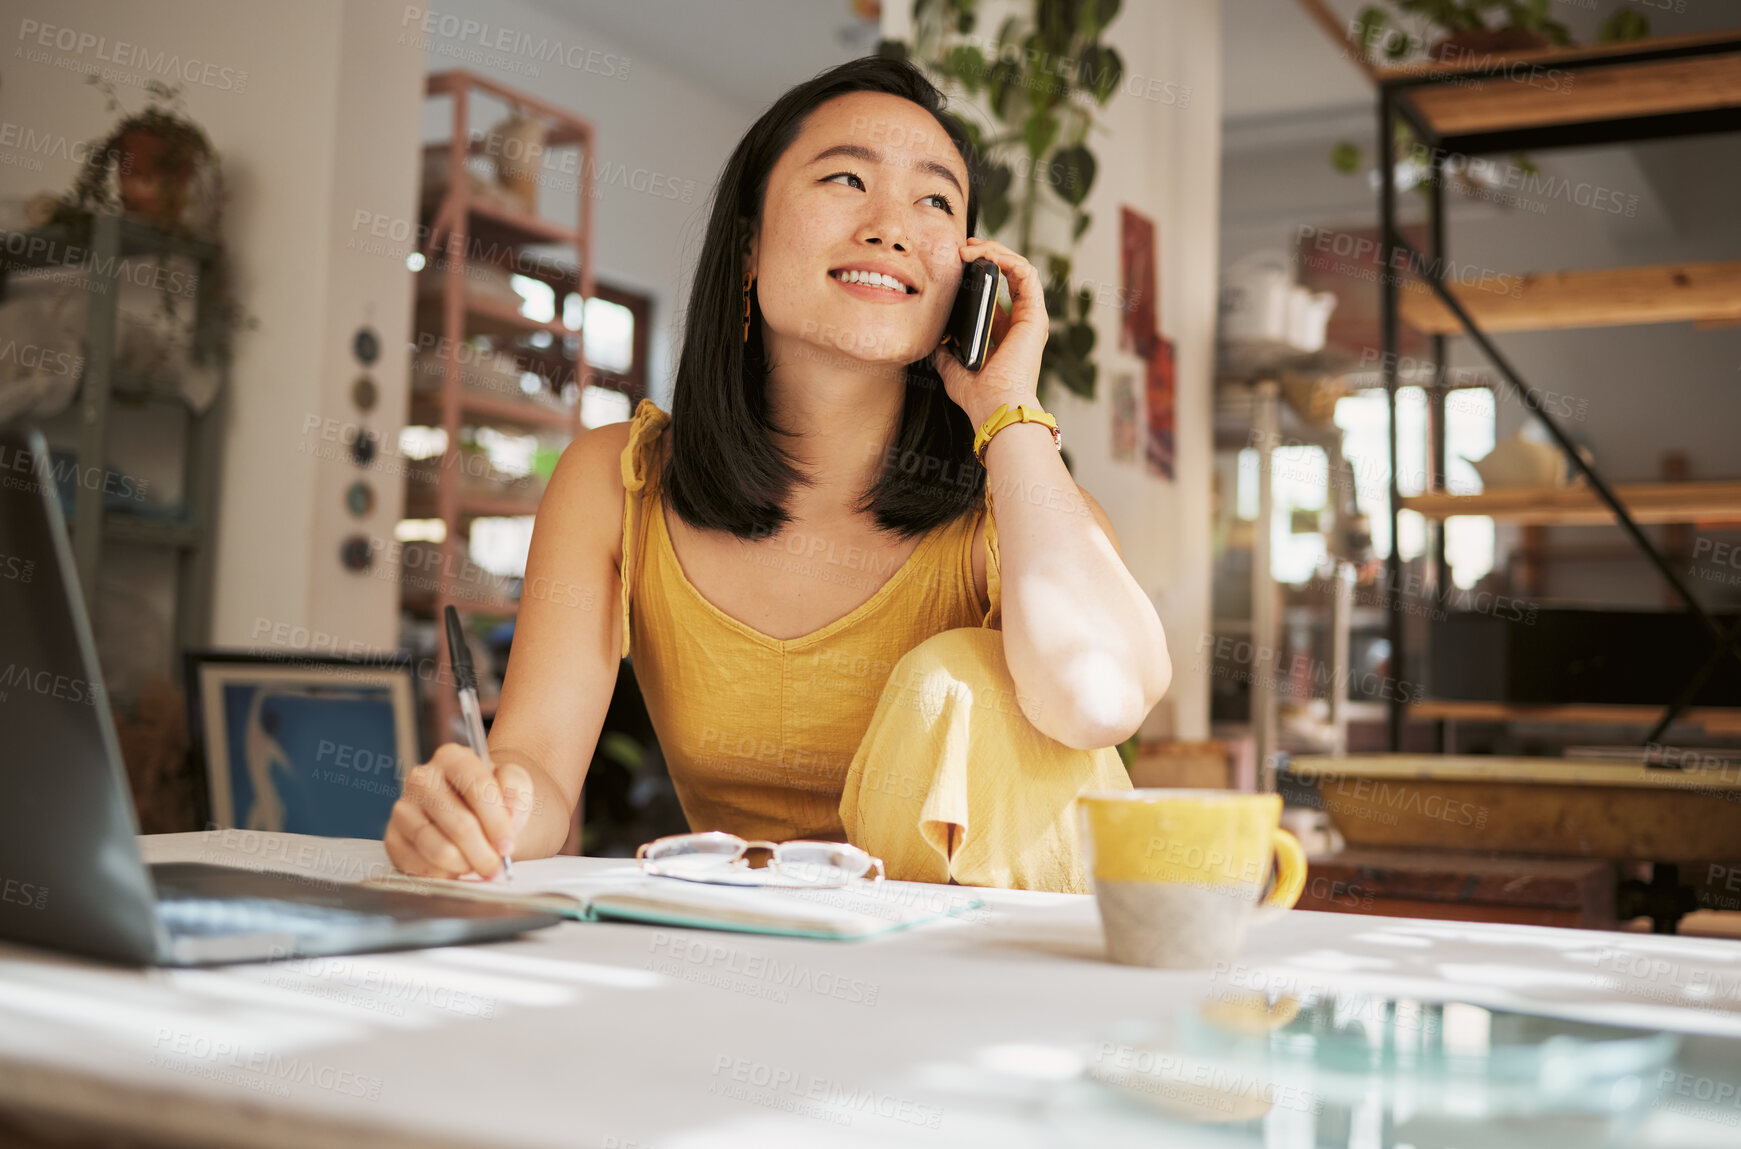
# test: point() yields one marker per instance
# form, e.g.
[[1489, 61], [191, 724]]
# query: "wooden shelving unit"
[[465, 230], [1688, 502], [468, 505], [1486, 103], [111, 240], [519, 414], [1714, 720], [1617, 297], [497, 319], [1604, 93]]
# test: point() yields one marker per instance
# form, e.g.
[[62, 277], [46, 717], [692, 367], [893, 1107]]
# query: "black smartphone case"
[[968, 334]]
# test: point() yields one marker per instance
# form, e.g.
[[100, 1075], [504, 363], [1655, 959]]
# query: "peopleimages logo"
[[15, 569], [509, 41], [36, 35], [265, 1066], [33, 143], [26, 894], [46, 683]]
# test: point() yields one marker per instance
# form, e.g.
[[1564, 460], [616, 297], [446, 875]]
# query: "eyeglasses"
[[720, 858]]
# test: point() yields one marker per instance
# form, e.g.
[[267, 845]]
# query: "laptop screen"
[[71, 877]]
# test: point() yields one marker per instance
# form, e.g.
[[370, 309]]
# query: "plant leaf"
[[1370, 23], [994, 206], [1100, 71], [1038, 131], [1072, 174], [1623, 24], [1080, 336], [967, 63], [1004, 82], [995, 214]]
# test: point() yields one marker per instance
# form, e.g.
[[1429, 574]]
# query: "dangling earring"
[[749, 277]]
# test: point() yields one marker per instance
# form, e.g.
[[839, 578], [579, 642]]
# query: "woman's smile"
[[874, 285]]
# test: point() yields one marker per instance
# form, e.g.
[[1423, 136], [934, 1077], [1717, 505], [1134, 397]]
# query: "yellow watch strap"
[[1005, 416]]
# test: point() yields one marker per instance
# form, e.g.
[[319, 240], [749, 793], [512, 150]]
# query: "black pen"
[[465, 683]]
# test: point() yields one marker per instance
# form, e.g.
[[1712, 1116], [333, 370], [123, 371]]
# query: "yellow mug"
[[1178, 874]]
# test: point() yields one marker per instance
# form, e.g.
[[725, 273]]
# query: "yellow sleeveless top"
[[758, 731]]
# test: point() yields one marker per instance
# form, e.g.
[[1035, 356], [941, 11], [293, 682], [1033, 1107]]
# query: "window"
[[609, 334], [500, 545], [1469, 434], [616, 335], [1299, 483]]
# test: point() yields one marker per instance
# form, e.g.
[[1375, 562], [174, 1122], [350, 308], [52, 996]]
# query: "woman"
[[805, 563]]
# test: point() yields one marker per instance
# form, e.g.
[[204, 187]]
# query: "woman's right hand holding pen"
[[456, 816]]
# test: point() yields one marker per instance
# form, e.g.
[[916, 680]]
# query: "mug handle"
[[1290, 872]]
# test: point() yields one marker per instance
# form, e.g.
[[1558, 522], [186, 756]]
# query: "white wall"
[[1160, 156], [373, 153]]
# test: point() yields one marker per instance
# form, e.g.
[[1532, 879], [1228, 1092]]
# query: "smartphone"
[[968, 334]]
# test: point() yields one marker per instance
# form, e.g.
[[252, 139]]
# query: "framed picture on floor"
[[299, 743]]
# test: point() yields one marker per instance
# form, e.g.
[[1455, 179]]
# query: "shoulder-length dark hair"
[[724, 470]]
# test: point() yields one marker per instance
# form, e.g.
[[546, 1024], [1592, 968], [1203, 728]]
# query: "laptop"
[[71, 875]]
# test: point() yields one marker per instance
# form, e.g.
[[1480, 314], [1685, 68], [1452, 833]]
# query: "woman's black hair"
[[724, 470]]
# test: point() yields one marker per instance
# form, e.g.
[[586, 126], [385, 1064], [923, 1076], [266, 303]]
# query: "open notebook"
[[624, 893]]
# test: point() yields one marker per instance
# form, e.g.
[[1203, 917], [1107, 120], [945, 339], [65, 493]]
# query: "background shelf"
[[519, 414], [1605, 93], [1617, 297], [477, 232], [1689, 502], [1714, 720]]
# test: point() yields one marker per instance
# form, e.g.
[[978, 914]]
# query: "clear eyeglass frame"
[[714, 855]]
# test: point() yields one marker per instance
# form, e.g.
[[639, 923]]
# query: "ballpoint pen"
[[465, 683]]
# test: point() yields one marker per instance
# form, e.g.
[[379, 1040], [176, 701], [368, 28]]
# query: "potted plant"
[[1451, 29], [154, 153], [157, 166], [1455, 29]]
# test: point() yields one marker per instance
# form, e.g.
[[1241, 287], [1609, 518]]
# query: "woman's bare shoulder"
[[586, 491]]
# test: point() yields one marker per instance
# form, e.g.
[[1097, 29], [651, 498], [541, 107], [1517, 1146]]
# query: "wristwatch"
[[1003, 417]]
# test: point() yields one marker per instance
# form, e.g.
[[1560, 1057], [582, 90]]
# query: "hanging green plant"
[[145, 166], [1036, 90], [1447, 29], [1452, 29]]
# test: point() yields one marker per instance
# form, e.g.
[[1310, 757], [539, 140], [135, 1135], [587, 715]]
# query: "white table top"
[[636, 1037]]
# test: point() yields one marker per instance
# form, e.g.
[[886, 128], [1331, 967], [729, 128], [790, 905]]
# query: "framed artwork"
[[1124, 416], [1138, 275], [1158, 451], [302, 743]]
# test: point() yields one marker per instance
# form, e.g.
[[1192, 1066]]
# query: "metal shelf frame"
[[1395, 89], [113, 239]]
